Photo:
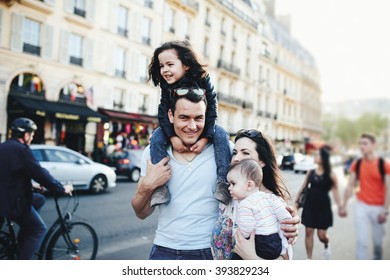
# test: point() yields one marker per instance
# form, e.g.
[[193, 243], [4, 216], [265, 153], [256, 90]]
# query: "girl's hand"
[[178, 145], [199, 146], [245, 247]]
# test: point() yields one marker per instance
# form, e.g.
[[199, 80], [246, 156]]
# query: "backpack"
[[381, 168]]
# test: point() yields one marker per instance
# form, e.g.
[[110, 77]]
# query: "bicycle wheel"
[[82, 243]]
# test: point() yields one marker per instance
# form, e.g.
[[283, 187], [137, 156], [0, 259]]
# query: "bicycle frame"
[[61, 221]]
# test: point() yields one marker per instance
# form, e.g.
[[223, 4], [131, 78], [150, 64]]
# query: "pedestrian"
[[317, 209], [17, 202], [252, 144], [185, 225], [258, 210], [372, 198], [176, 68]]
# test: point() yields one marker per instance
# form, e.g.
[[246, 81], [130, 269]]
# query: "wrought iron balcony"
[[191, 3], [76, 60], [230, 99], [120, 73], [79, 12], [146, 41], [122, 31], [32, 49], [228, 67]]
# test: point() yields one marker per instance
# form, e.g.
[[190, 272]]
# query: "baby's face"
[[238, 185]]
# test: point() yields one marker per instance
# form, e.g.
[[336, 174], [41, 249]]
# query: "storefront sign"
[[40, 113], [67, 116]]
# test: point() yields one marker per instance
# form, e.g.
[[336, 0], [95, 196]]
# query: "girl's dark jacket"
[[211, 111]]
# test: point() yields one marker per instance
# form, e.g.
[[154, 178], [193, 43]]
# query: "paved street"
[[122, 236]]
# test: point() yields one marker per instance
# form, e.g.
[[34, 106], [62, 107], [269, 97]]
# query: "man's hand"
[[178, 145], [343, 212], [156, 174], [290, 226], [199, 146], [68, 189]]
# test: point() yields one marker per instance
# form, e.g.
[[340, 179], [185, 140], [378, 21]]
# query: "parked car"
[[288, 162], [68, 166], [126, 162], [305, 165]]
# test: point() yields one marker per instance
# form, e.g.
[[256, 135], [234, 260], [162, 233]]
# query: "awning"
[[42, 107], [112, 114]]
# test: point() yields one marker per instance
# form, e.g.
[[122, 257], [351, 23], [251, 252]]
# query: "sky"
[[350, 41]]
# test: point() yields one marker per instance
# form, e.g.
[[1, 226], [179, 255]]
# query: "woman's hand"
[[290, 226], [178, 145], [245, 247]]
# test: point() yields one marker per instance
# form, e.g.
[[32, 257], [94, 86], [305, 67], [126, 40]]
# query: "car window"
[[38, 155], [60, 156]]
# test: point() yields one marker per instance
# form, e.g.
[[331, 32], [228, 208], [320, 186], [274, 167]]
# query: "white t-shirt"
[[187, 221]]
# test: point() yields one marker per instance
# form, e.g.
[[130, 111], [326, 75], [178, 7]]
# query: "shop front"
[[125, 130], [67, 122]]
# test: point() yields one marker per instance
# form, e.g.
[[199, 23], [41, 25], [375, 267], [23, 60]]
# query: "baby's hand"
[[178, 145], [199, 146]]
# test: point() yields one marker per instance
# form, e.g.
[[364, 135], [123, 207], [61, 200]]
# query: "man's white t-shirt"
[[187, 221]]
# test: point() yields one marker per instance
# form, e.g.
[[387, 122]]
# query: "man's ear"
[[170, 115]]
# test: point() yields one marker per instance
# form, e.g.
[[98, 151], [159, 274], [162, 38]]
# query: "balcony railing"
[[247, 105], [228, 5], [230, 99], [79, 12], [149, 3], [122, 31], [171, 29], [228, 67], [191, 3], [260, 113], [32, 49], [76, 60], [146, 41], [120, 73]]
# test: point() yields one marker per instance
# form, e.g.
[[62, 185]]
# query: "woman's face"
[[245, 148], [317, 157]]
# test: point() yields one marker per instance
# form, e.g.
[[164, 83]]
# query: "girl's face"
[[245, 148], [317, 157], [238, 185], [171, 67]]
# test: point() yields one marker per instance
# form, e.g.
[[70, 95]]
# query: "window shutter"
[[113, 22], [132, 66], [90, 7], [64, 51], [48, 41], [68, 6], [17, 33], [88, 53]]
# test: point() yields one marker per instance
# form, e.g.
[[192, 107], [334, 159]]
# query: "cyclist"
[[18, 168]]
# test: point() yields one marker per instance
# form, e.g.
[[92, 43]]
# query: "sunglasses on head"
[[184, 91], [250, 133]]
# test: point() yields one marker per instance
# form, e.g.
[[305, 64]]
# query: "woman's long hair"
[[272, 178], [186, 54], [325, 161]]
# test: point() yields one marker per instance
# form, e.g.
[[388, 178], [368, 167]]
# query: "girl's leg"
[[157, 153], [324, 238], [222, 158], [309, 242]]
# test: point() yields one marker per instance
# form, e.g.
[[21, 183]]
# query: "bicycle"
[[65, 240]]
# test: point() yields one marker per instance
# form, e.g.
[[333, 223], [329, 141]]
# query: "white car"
[[305, 165], [68, 166]]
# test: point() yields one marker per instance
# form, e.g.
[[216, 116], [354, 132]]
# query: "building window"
[[146, 24], [119, 95], [149, 3], [247, 68], [120, 56], [169, 20], [207, 18], [79, 8], [234, 35], [248, 42], [260, 74], [184, 25], [31, 37], [143, 69], [144, 106], [223, 31], [75, 51], [206, 47], [122, 21]]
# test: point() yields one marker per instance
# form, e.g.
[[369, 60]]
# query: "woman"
[[317, 211], [251, 144]]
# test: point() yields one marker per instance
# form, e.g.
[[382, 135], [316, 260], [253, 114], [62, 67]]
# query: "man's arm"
[[383, 216], [347, 194], [156, 176]]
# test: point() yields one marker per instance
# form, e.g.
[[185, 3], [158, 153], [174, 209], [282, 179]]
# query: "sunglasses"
[[185, 91], [250, 133]]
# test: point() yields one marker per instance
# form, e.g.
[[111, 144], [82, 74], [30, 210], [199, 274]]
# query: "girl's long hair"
[[272, 178], [197, 71], [325, 160]]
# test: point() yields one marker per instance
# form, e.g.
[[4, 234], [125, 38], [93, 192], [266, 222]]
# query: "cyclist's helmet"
[[22, 125]]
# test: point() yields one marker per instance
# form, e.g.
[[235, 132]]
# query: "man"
[[18, 167], [185, 224], [373, 198]]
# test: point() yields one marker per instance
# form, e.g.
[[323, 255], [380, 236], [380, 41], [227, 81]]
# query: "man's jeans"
[[163, 253], [366, 220]]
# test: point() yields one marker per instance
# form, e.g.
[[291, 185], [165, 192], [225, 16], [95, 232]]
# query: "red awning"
[[112, 114]]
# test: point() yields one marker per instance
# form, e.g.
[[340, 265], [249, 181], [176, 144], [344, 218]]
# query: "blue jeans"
[[222, 151], [31, 233], [163, 253]]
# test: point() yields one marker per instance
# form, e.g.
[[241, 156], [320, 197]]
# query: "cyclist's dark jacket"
[[17, 167], [165, 101]]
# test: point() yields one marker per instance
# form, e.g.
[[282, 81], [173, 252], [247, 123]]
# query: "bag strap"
[[381, 167]]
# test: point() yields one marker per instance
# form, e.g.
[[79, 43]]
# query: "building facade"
[[79, 68]]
